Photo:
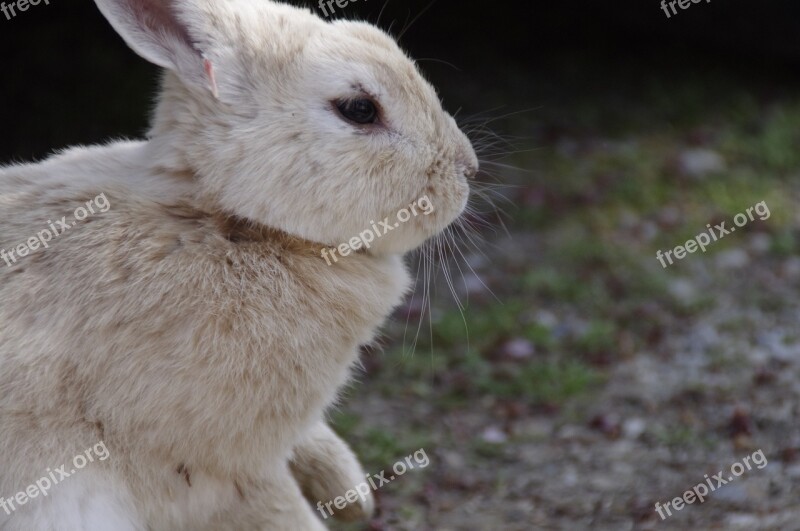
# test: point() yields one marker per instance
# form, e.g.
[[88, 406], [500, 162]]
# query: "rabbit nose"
[[470, 171], [468, 165]]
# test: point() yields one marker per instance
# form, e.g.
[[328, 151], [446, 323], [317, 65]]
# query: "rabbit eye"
[[361, 111]]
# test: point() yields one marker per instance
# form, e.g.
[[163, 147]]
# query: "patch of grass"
[[677, 436], [482, 325], [785, 243], [553, 283], [377, 447], [344, 422], [486, 450], [769, 142], [599, 338], [540, 382]]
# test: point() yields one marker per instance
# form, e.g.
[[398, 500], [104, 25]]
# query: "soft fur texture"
[[194, 327]]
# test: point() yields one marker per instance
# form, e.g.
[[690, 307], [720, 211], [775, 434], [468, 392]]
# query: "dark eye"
[[361, 111]]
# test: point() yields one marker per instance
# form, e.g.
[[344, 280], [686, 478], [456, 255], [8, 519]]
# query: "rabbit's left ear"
[[154, 30]]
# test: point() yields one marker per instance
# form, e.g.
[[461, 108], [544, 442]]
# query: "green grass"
[[538, 382]]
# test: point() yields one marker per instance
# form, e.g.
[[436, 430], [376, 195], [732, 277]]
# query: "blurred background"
[[572, 382]]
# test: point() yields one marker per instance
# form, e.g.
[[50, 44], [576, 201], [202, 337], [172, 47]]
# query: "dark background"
[[68, 79]]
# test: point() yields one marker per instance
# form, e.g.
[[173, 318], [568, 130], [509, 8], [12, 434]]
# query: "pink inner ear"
[[212, 81], [157, 17], [154, 30]]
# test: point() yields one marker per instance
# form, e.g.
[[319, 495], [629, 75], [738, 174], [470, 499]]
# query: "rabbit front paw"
[[331, 477]]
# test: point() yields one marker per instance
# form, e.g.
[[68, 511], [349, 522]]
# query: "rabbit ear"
[[154, 31]]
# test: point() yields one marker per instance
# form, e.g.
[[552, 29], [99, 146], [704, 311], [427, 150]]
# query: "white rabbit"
[[194, 327]]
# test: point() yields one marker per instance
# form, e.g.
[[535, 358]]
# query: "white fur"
[[194, 327]]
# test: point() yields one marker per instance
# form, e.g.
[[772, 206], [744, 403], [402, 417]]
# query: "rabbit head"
[[319, 129]]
